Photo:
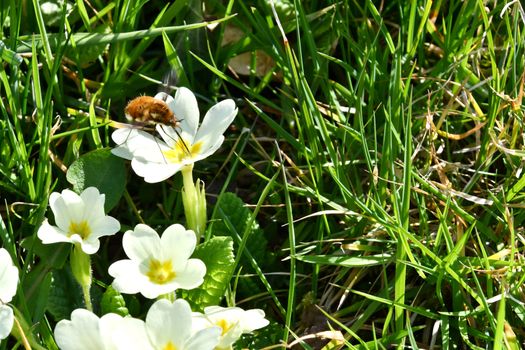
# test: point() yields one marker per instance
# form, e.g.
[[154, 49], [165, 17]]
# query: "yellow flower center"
[[160, 272], [80, 228], [169, 346], [225, 325], [182, 150]]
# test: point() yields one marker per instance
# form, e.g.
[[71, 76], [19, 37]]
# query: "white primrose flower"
[[8, 284], [79, 219], [233, 321], [168, 326], [157, 265], [85, 331], [157, 159]]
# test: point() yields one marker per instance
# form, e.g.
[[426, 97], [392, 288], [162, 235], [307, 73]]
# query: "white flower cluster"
[[168, 326], [156, 265]]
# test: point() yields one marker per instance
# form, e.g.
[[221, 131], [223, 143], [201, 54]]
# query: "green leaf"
[[346, 261], [113, 301], [36, 286], [65, 295], [51, 255], [102, 170], [235, 212], [217, 254]]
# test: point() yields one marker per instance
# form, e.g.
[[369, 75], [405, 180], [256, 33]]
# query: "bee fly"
[[150, 110]]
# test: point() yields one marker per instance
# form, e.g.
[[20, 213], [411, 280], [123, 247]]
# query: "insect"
[[150, 110]]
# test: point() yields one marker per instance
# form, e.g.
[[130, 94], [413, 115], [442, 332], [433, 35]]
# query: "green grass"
[[380, 151]]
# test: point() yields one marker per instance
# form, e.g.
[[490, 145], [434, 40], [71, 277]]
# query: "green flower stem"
[[81, 269], [194, 201], [22, 335], [169, 296]]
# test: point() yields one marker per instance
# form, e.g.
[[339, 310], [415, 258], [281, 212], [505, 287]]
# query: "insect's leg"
[[121, 136], [180, 139]]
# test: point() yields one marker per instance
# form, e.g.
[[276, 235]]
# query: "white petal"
[[168, 321], [154, 172], [217, 120], [81, 333], [107, 326], [210, 310], [130, 334], [208, 148], [149, 148], [141, 144], [128, 279], [192, 276], [153, 153], [60, 210], [142, 243], [89, 246], [51, 234], [226, 316], [249, 320], [199, 321], [121, 136], [8, 277], [122, 152], [177, 244], [217, 313], [253, 319], [232, 334], [152, 290], [94, 201], [186, 109], [73, 206], [205, 339], [104, 226], [164, 97], [6, 321]]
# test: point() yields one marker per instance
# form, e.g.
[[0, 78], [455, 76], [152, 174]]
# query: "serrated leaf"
[[217, 254], [102, 170], [65, 295], [113, 301], [234, 212]]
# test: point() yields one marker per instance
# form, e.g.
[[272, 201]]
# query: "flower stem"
[[23, 337], [87, 297], [168, 296], [81, 269], [194, 201]]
